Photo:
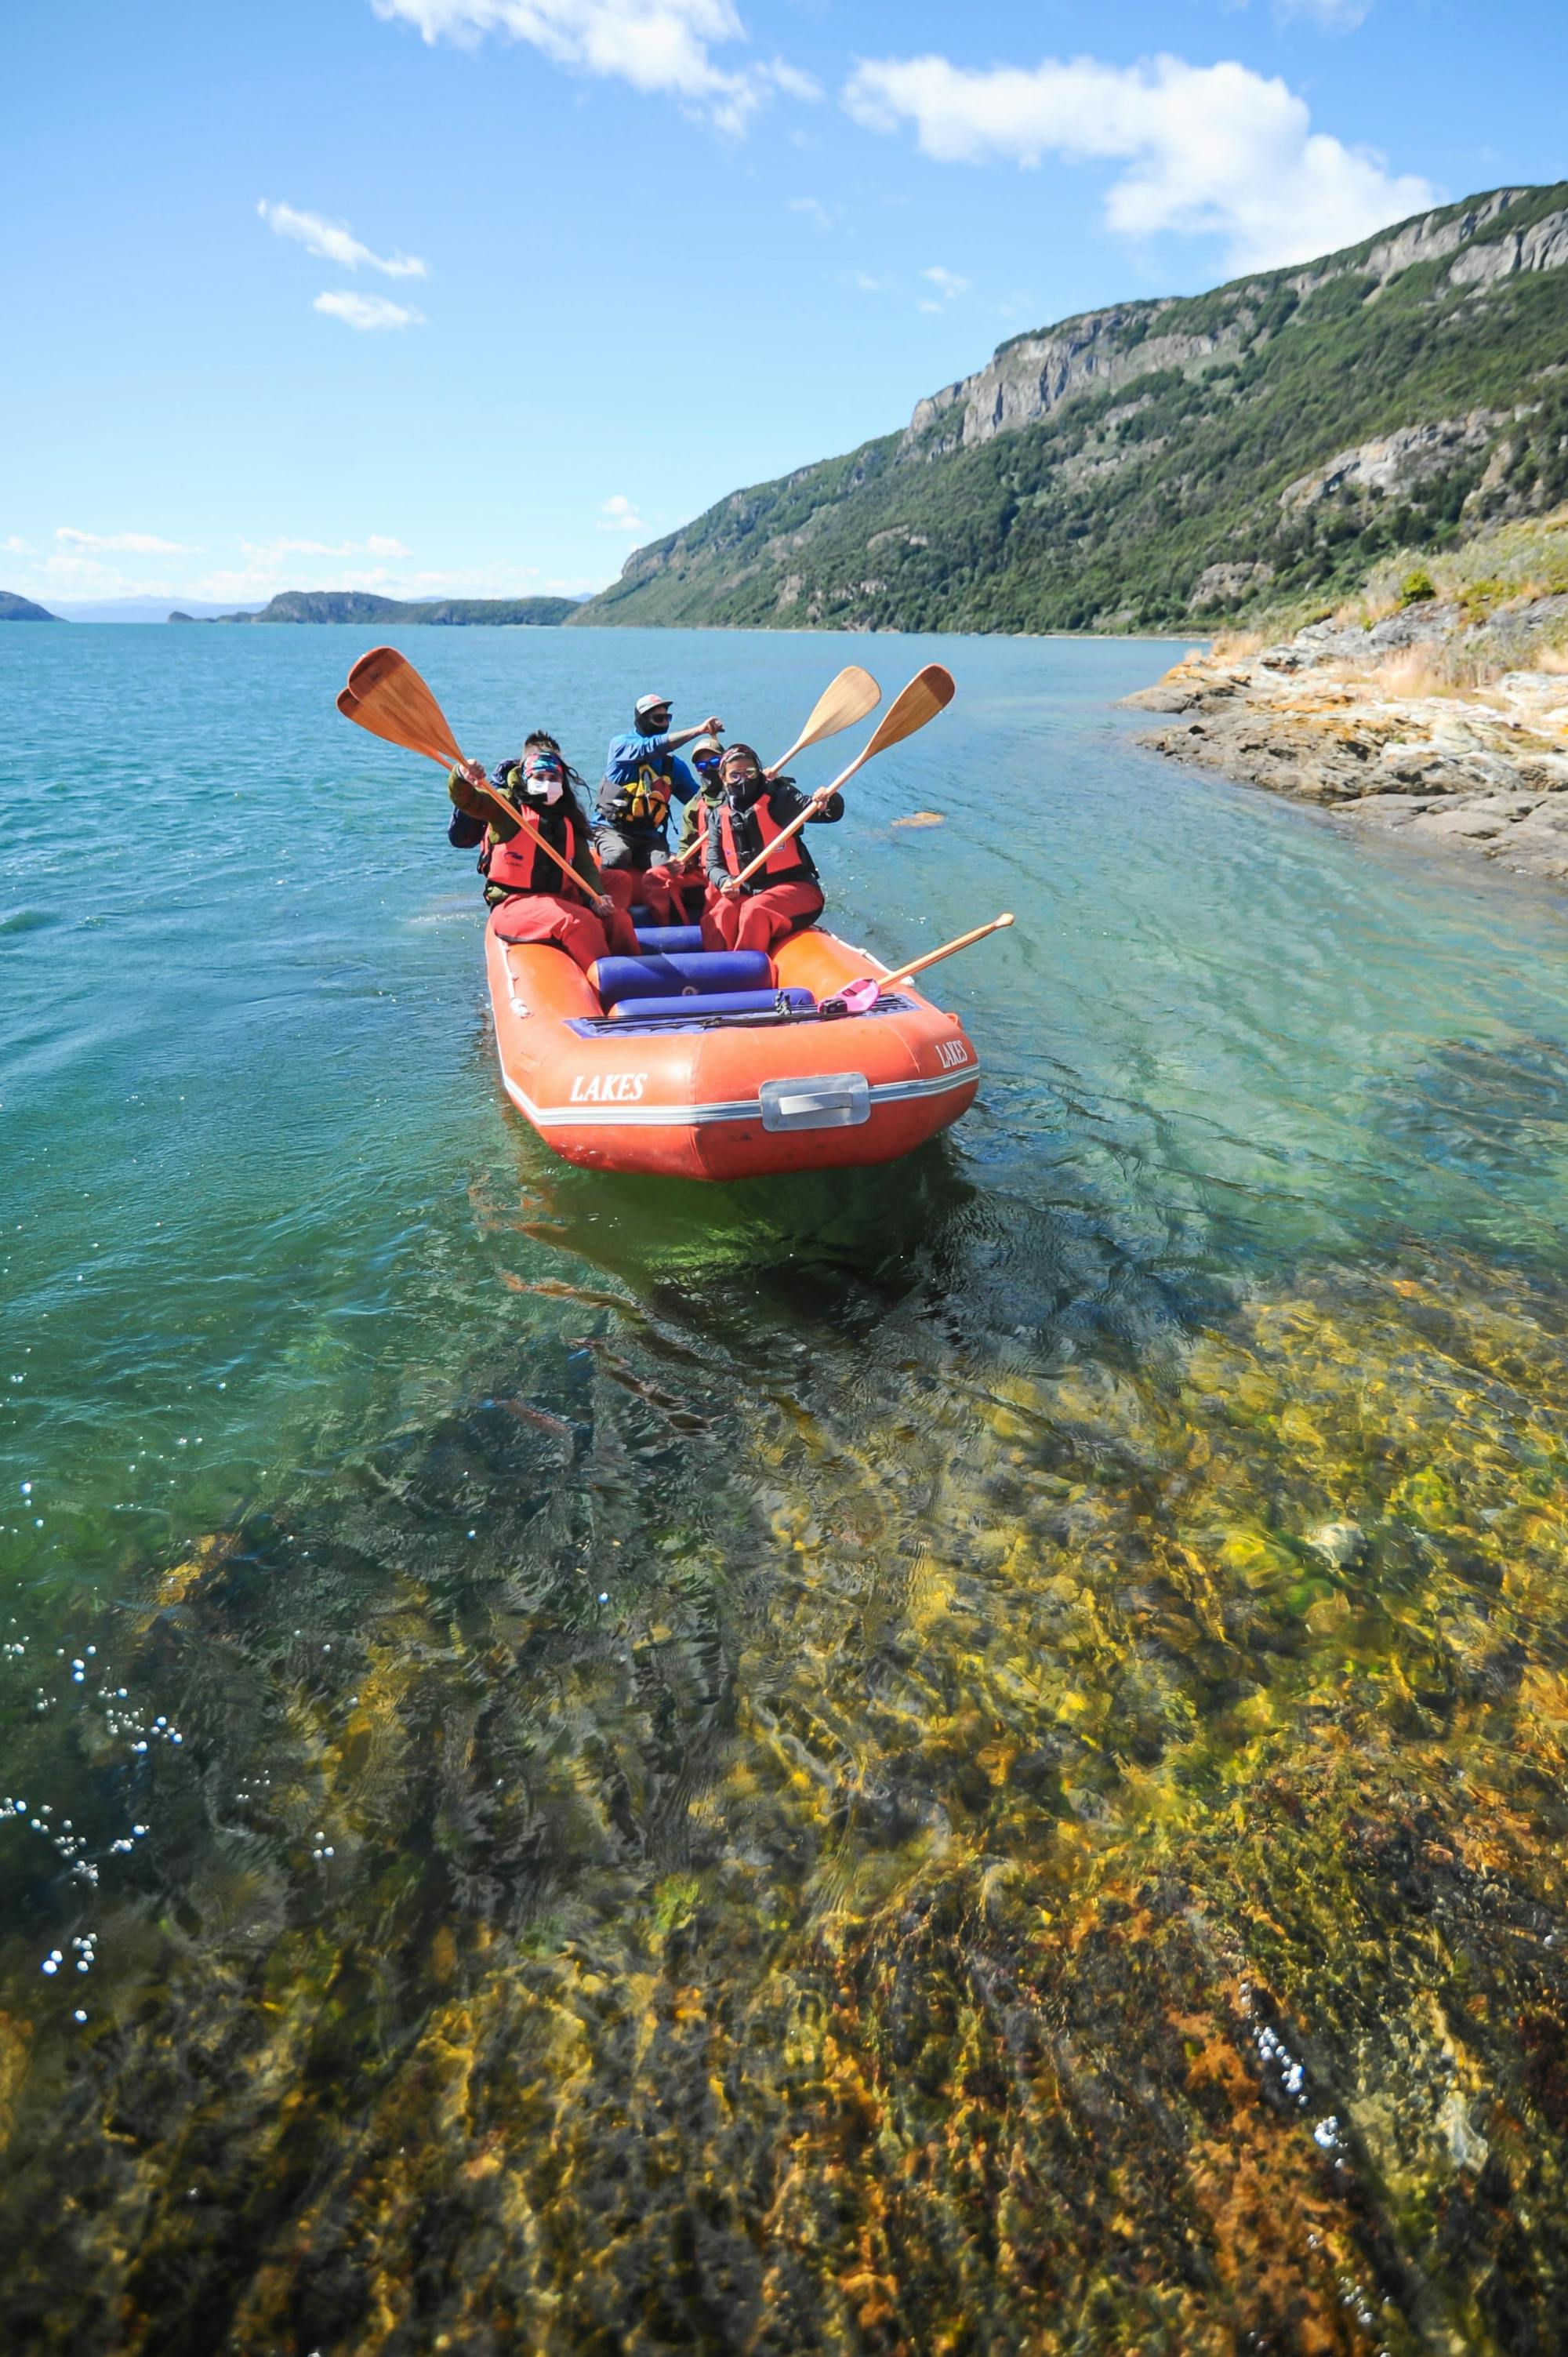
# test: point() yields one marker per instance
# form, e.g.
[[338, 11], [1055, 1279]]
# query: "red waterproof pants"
[[551, 917], [755, 920], [666, 892]]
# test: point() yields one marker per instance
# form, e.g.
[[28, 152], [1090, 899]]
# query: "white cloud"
[[812, 209], [257, 569], [14, 547], [1333, 15], [948, 282], [1207, 148], [272, 552], [87, 578], [618, 514], [865, 283], [123, 543], [655, 45], [368, 312], [795, 84], [334, 241]]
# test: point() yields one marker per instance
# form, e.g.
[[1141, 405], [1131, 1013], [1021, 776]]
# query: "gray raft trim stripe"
[[691, 1116]]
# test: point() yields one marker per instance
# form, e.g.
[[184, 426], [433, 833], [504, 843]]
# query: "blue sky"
[[473, 295]]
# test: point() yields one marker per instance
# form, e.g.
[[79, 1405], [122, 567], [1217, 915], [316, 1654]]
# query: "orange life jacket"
[[519, 866], [787, 863]]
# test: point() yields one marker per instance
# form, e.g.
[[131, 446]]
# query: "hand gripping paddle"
[[387, 695], [844, 700], [929, 692]]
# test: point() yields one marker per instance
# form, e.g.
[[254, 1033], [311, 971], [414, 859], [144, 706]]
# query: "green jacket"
[[705, 794]]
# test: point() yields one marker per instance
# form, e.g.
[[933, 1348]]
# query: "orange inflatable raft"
[[661, 1064]]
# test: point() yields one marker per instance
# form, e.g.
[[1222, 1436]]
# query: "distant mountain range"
[[361, 606], [1174, 463], [22, 610]]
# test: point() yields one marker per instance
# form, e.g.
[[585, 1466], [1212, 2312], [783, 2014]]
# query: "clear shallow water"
[[772, 1767]]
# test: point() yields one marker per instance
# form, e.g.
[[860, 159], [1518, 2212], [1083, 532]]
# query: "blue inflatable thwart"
[[687, 973], [663, 939], [723, 1002]]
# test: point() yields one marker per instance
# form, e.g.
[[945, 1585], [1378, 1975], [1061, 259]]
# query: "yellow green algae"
[[960, 1853]]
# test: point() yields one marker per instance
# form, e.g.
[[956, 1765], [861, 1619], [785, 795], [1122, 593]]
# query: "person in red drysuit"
[[528, 898], [784, 894]]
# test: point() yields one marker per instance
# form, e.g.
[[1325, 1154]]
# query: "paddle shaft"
[[934, 957], [517, 818], [784, 833], [408, 715], [526, 826], [928, 693]]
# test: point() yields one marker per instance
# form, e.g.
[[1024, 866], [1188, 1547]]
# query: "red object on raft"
[[726, 1096]]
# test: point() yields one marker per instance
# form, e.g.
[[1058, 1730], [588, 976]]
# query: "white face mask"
[[543, 789]]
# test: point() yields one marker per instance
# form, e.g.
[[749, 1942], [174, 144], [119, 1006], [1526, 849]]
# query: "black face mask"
[[743, 792]]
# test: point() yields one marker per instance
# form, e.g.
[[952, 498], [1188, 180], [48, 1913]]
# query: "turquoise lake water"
[[366, 1475]]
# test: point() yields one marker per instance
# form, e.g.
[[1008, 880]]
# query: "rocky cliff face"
[[1029, 378], [1192, 457]]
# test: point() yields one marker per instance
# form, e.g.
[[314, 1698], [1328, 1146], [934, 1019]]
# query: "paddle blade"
[[387, 695], [845, 700], [395, 733], [858, 996], [929, 692]]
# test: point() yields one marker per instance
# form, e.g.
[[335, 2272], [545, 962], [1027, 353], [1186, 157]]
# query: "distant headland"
[[361, 606], [22, 610]]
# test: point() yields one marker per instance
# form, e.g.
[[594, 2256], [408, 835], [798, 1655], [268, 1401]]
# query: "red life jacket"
[[787, 863], [519, 866]]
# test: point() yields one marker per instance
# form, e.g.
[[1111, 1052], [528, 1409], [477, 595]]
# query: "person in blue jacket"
[[642, 777]]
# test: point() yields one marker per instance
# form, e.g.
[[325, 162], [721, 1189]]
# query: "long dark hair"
[[575, 786]]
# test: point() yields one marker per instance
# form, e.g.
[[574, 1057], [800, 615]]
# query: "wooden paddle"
[[935, 957], [929, 692], [387, 695], [842, 702], [858, 996]]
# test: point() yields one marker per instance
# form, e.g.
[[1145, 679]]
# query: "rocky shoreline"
[[1372, 721]]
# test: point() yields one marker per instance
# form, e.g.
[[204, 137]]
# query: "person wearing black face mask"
[[784, 894], [527, 893], [642, 777]]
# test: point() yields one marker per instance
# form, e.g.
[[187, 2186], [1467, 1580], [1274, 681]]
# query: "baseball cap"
[[705, 745], [647, 703]]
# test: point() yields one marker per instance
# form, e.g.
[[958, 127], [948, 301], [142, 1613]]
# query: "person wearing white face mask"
[[528, 898]]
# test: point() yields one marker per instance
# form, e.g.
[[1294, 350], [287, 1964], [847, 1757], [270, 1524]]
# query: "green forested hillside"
[[362, 605], [1163, 463]]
